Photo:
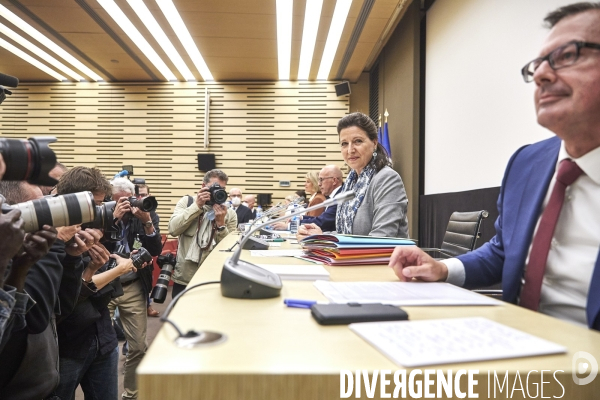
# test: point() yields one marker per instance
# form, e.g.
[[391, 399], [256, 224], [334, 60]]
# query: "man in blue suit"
[[546, 248], [330, 182]]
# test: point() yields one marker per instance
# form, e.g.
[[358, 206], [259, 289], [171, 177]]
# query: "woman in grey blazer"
[[379, 208]]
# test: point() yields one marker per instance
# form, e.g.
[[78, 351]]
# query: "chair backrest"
[[462, 232]]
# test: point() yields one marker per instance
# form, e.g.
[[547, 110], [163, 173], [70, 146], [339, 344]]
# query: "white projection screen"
[[478, 110]]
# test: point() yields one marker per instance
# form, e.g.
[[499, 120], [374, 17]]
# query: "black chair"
[[461, 234]]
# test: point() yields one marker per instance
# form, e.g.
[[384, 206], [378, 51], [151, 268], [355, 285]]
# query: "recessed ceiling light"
[[34, 33], [285, 12], [154, 28], [121, 19], [342, 7], [39, 52], [168, 8], [312, 17], [20, 53]]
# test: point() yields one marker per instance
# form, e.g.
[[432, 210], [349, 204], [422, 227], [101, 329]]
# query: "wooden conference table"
[[275, 352]]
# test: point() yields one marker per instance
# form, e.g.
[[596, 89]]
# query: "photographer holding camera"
[[200, 222], [88, 346], [138, 229], [49, 272]]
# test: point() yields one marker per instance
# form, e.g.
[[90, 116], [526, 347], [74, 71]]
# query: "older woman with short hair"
[[379, 208]]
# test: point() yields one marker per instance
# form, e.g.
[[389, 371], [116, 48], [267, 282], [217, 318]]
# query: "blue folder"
[[353, 241]]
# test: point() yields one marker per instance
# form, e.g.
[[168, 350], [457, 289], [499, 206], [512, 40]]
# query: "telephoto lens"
[[57, 211], [119, 249], [145, 204], [29, 160], [105, 221], [141, 257], [167, 263]]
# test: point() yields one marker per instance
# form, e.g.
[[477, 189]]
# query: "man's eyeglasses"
[[320, 180], [561, 57]]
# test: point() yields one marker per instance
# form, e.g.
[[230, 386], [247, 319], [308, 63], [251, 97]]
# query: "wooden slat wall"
[[260, 133]]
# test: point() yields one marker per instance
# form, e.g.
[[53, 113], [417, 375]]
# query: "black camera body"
[[138, 259], [167, 264], [105, 221], [218, 195]]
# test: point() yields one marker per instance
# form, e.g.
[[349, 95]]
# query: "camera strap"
[[199, 234]]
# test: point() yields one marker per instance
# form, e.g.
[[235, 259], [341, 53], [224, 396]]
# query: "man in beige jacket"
[[200, 225]]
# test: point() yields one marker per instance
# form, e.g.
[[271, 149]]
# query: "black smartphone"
[[343, 314]]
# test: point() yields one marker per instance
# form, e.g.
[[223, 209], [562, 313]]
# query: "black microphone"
[[7, 80], [243, 280]]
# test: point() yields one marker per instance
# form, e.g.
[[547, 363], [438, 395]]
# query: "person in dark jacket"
[[139, 229], [88, 347], [244, 214], [49, 273]]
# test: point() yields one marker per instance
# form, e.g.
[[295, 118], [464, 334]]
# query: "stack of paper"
[[298, 272], [350, 249]]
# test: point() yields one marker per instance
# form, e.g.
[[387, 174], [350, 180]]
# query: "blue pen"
[[296, 303]]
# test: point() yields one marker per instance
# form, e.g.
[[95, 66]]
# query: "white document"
[[274, 244], [276, 253], [455, 340], [403, 294], [298, 272]]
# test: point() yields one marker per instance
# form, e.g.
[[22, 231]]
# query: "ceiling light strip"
[[154, 28], [312, 17], [34, 33], [285, 12], [363, 15], [20, 53], [168, 8], [121, 19], [39, 52], [342, 7]]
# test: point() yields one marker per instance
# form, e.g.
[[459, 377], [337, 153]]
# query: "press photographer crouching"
[[138, 228], [88, 346]]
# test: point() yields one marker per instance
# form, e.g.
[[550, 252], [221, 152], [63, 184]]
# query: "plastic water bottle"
[[294, 224], [259, 212]]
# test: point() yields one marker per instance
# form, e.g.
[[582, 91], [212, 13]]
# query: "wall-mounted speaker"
[[206, 162], [264, 199], [342, 88]]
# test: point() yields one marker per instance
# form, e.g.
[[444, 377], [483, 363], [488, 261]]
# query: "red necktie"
[[568, 172]]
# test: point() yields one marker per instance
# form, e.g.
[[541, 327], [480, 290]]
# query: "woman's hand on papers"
[[307, 230], [410, 262]]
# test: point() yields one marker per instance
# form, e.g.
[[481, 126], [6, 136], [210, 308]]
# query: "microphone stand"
[[277, 208], [244, 280]]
